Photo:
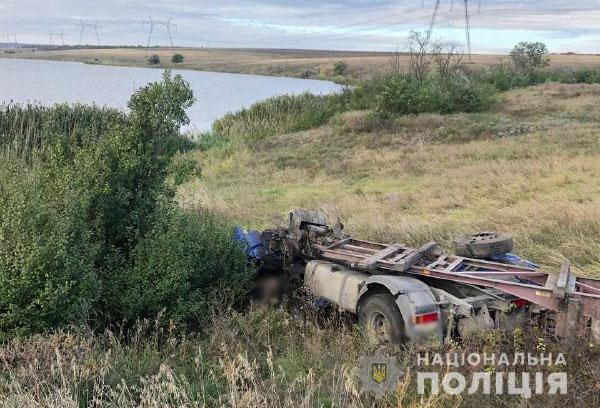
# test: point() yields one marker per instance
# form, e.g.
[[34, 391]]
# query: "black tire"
[[483, 245], [381, 319]]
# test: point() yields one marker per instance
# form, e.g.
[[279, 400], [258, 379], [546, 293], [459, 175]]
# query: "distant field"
[[294, 63]]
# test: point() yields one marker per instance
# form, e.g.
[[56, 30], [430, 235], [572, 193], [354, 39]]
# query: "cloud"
[[321, 24]]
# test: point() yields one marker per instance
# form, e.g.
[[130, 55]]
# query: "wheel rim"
[[380, 328]]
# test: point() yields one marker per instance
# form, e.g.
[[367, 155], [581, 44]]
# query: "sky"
[[369, 25]]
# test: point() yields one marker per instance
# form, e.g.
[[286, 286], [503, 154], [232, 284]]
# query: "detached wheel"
[[483, 245], [380, 317]]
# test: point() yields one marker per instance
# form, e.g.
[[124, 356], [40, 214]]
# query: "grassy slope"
[[530, 167], [269, 62]]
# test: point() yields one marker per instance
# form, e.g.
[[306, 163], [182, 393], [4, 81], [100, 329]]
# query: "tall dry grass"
[[264, 357]]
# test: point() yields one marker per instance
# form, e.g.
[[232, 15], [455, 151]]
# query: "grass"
[[259, 358], [281, 114]]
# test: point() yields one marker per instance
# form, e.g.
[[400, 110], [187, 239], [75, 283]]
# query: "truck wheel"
[[483, 245], [380, 317]]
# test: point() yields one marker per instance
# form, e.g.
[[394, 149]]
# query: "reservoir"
[[50, 82]]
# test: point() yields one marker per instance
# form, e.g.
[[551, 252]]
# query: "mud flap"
[[481, 321]]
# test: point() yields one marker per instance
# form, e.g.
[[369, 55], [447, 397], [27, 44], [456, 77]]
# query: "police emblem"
[[378, 373]]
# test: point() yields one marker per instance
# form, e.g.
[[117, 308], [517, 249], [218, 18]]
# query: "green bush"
[[185, 265], [364, 96], [153, 59], [177, 58], [403, 94], [47, 252], [530, 56]]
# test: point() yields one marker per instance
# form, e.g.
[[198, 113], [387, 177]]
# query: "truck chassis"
[[436, 294]]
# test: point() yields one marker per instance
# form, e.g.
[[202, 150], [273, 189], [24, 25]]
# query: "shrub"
[[340, 68], [402, 94], [153, 59], [47, 252], [505, 79], [177, 58], [186, 264]]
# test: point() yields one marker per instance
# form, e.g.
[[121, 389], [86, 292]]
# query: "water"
[[49, 82]]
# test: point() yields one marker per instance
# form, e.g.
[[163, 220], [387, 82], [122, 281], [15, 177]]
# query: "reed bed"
[[25, 128], [282, 114]]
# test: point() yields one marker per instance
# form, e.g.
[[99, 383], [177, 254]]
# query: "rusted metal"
[[571, 296]]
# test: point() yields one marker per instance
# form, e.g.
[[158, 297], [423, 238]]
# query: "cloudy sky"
[[378, 25]]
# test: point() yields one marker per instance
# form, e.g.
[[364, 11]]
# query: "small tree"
[[153, 59], [420, 50], [530, 56], [340, 68], [177, 58]]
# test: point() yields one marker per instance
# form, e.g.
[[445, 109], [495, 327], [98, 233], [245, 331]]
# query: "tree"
[[529, 56], [177, 58]]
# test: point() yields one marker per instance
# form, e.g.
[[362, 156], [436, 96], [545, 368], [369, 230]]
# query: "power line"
[[327, 32]]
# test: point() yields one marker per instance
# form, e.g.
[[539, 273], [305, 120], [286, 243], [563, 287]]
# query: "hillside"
[[529, 167]]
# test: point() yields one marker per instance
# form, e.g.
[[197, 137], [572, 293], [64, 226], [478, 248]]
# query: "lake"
[[49, 82]]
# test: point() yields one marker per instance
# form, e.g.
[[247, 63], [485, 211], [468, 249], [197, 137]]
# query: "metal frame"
[[571, 296]]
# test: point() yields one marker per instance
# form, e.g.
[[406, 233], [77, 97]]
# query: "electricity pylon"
[[468, 28], [436, 8], [91, 26], [168, 24], [59, 34]]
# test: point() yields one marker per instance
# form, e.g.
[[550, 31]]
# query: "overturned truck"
[[404, 294]]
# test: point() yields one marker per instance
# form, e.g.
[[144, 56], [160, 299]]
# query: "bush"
[[153, 59], [47, 252], [505, 79], [177, 58], [340, 68], [402, 94], [185, 265]]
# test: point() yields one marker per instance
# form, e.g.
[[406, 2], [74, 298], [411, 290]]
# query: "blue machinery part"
[[251, 242]]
